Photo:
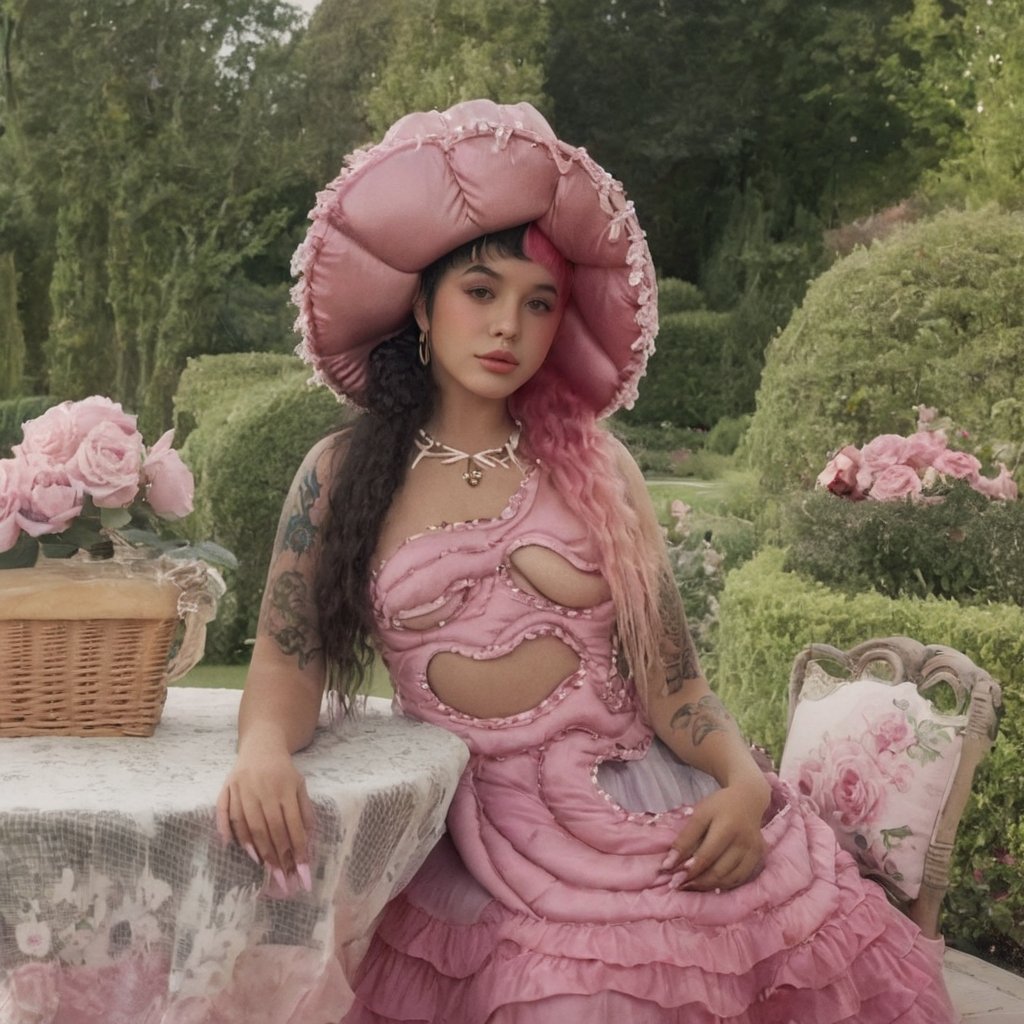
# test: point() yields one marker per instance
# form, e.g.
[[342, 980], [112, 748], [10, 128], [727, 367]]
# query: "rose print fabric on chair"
[[886, 767]]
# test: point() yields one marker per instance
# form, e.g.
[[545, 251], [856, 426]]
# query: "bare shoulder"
[[629, 470]]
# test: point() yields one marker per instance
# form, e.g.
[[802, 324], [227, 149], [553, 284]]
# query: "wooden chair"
[[900, 730]]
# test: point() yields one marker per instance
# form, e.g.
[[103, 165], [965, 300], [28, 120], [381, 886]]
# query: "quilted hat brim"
[[439, 180]]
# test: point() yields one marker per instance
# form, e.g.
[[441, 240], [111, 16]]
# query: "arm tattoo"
[[290, 619], [299, 530], [708, 715], [677, 651]]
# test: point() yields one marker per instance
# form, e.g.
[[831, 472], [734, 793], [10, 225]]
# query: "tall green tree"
[[444, 51], [162, 132]]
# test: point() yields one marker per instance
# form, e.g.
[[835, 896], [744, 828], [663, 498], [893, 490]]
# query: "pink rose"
[[924, 447], [884, 451], [49, 500], [925, 415], [90, 412], [12, 487], [840, 475], [52, 435], [892, 732], [858, 788], [961, 465], [107, 465], [169, 483], [894, 483], [999, 488]]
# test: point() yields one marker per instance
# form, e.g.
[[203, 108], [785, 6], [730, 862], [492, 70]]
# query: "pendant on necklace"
[[473, 475]]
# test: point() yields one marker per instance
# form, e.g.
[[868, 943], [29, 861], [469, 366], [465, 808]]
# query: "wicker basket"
[[84, 647]]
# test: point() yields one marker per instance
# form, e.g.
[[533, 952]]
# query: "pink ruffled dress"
[[546, 903]]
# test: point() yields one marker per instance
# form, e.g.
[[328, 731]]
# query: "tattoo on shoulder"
[[299, 530], [706, 716], [677, 650], [289, 619]]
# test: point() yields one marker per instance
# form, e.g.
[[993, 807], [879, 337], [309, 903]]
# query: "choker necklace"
[[503, 457]]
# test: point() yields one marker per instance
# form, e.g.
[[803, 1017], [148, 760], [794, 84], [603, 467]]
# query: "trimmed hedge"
[[247, 421], [688, 379], [934, 315], [768, 615]]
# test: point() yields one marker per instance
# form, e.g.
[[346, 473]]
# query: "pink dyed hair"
[[562, 431], [539, 248]]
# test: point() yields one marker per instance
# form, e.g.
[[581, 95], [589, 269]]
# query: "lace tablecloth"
[[119, 904]]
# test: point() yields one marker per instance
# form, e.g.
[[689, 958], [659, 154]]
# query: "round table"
[[119, 902]]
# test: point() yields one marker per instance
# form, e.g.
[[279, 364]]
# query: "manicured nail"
[[304, 877], [671, 860], [281, 879], [253, 855], [689, 864], [677, 880]]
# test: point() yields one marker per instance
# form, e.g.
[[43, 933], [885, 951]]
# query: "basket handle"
[[201, 587]]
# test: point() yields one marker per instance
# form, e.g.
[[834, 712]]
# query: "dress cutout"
[[546, 903]]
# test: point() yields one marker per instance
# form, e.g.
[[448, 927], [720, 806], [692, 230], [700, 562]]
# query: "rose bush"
[[82, 477], [891, 467]]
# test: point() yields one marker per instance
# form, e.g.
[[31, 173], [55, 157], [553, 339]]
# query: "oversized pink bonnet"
[[438, 180]]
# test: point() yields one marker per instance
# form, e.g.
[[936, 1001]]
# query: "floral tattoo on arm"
[[706, 716], [289, 617], [299, 531], [677, 651]]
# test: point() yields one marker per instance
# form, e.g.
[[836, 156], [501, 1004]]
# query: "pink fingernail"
[[253, 855], [281, 879], [689, 864], [677, 880], [304, 876], [671, 860]]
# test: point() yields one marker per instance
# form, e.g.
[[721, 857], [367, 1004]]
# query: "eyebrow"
[[482, 268]]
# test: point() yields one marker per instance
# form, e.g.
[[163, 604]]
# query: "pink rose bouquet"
[[891, 467], [82, 477]]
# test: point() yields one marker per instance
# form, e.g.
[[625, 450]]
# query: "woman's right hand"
[[264, 806]]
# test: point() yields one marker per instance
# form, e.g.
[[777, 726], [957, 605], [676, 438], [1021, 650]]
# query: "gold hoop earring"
[[424, 348]]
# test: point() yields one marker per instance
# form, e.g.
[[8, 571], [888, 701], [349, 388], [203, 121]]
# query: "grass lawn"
[[232, 677]]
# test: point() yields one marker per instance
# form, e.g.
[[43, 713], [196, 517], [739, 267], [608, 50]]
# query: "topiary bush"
[[934, 315], [677, 296], [688, 380], [247, 420], [768, 615]]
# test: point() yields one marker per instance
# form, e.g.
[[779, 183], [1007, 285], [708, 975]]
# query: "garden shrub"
[[676, 296], [964, 547], [14, 412], [688, 378], [768, 615], [659, 448], [248, 421], [725, 436], [934, 315]]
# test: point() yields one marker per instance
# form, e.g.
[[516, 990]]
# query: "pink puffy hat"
[[439, 180]]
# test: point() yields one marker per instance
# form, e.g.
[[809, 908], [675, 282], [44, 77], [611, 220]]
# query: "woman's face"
[[491, 324]]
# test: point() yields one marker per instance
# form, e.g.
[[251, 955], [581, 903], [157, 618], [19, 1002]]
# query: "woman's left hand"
[[721, 845]]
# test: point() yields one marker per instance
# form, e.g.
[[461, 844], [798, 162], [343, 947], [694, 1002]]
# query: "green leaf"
[[114, 518], [23, 555]]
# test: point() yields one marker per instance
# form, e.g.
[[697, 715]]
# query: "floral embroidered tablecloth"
[[119, 904]]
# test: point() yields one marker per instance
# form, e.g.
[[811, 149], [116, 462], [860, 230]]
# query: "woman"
[[615, 854]]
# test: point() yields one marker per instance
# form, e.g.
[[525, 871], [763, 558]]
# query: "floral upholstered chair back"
[[886, 753]]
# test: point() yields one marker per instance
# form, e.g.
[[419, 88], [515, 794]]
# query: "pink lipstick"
[[498, 361]]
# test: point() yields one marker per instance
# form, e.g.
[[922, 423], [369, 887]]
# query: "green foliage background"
[[247, 421]]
